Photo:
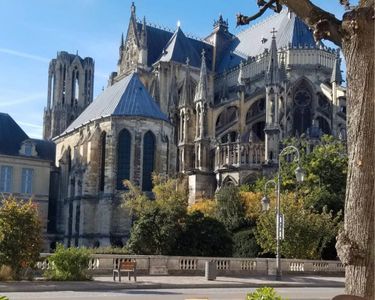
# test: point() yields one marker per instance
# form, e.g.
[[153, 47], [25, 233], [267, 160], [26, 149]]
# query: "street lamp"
[[300, 175]]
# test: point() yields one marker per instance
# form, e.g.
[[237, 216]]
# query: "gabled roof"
[[291, 31], [127, 97], [11, 135], [158, 39], [179, 48]]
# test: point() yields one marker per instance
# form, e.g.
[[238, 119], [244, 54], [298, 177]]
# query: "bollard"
[[210, 270]]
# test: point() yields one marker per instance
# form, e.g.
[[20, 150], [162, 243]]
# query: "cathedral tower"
[[70, 91]]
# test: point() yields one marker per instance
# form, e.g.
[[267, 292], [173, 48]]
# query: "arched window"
[[123, 158], [148, 160], [69, 159], [302, 109], [102, 161], [258, 130], [324, 125], [167, 162]]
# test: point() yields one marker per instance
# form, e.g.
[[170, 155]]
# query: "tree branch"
[[324, 24], [244, 20]]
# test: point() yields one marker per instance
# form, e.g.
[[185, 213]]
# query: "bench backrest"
[[127, 265]]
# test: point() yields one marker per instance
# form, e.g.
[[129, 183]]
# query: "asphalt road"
[[179, 294]]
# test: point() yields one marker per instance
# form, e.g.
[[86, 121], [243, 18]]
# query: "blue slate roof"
[[253, 41], [128, 97], [159, 39], [12, 136]]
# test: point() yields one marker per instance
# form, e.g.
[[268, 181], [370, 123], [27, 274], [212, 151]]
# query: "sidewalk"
[[162, 282]]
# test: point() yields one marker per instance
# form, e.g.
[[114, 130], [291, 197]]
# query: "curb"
[[53, 286]]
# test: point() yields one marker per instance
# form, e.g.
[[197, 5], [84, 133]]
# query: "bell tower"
[[70, 91]]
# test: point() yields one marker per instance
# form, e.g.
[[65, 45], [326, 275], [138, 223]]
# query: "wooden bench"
[[125, 266]]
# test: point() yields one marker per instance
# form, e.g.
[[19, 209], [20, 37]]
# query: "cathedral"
[[215, 110]]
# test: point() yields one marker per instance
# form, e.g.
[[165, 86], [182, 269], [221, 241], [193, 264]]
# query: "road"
[[179, 294]]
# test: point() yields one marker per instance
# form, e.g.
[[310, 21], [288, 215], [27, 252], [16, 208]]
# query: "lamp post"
[[266, 203]]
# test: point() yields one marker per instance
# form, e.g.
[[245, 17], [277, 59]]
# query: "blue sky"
[[32, 31]]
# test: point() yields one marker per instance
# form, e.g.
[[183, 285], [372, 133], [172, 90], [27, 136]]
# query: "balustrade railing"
[[183, 265], [239, 155]]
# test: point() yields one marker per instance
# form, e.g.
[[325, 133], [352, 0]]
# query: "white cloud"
[[37, 126], [24, 55], [24, 99]]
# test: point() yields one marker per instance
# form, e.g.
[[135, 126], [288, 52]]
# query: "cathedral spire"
[[283, 76], [143, 41], [272, 75], [201, 92], [186, 87], [336, 72]]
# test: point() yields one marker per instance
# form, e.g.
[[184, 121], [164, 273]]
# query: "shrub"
[[5, 273], [245, 244], [68, 264], [203, 236], [4, 298], [265, 293], [20, 235]]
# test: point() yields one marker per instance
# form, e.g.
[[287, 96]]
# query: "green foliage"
[[245, 244], [20, 235], [158, 221], [4, 298], [230, 209], [154, 233], [68, 264], [264, 293], [307, 232], [203, 236], [326, 169]]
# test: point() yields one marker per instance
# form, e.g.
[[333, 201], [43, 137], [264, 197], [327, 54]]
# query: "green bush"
[[245, 244], [265, 293], [20, 236], [4, 298], [68, 264]]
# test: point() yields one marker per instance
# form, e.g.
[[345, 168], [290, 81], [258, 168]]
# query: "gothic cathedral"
[[214, 109]]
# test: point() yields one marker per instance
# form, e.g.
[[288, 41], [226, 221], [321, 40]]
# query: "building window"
[[27, 181], [28, 149], [102, 162], [148, 160], [6, 179], [123, 158]]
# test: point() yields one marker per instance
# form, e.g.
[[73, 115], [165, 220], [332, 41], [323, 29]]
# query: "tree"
[[154, 233], [230, 209], [203, 236], [306, 232], [157, 221], [355, 34], [20, 235]]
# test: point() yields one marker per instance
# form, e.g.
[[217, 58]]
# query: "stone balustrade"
[[239, 155], [103, 264]]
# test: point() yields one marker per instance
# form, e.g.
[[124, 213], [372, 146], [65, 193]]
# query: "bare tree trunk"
[[355, 33], [356, 242]]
